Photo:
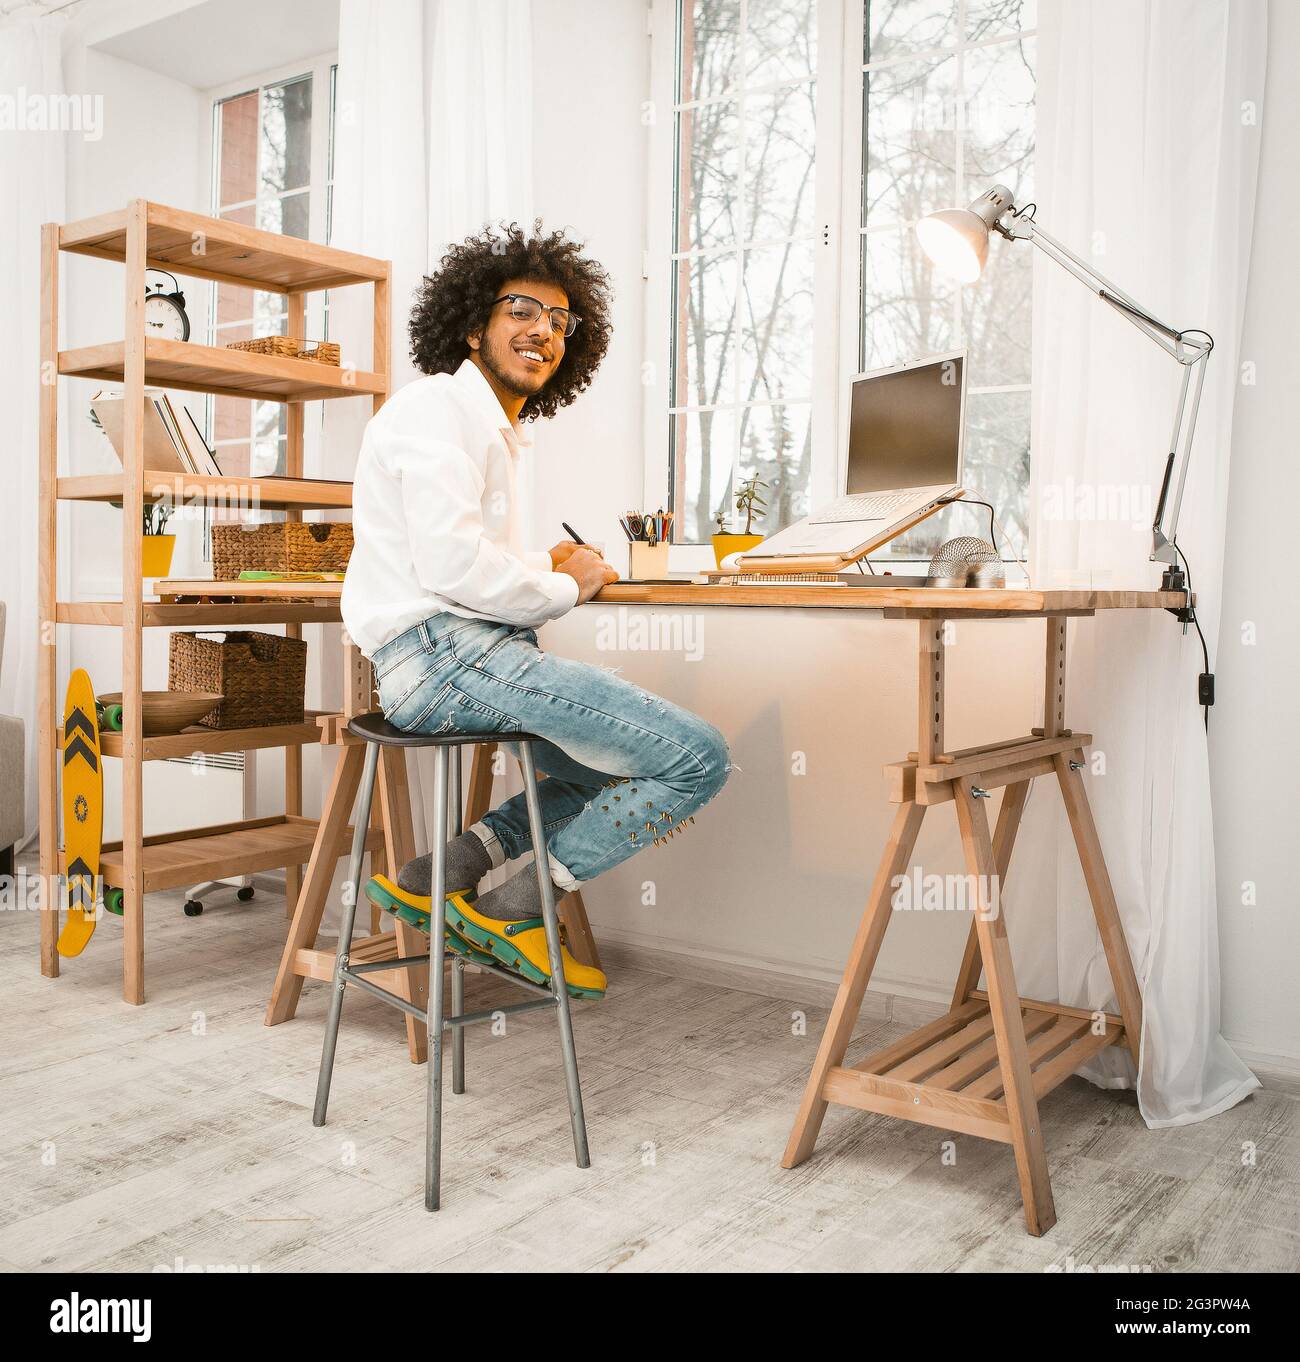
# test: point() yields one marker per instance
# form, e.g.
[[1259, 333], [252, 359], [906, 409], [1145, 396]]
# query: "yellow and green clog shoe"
[[414, 909], [521, 946]]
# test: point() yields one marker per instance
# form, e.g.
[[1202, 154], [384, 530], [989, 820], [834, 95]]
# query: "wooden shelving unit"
[[147, 235]]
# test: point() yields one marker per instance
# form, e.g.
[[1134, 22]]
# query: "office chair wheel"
[[244, 893], [193, 908]]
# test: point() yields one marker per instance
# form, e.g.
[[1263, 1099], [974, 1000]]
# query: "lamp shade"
[[957, 242], [957, 239]]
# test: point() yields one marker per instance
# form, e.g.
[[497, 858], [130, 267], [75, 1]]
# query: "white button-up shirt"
[[434, 518]]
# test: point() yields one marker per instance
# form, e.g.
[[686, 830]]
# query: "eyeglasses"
[[526, 309]]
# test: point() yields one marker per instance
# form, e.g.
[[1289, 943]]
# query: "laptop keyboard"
[[864, 506]]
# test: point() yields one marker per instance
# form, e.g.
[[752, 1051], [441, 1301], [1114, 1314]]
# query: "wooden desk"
[[983, 1067]]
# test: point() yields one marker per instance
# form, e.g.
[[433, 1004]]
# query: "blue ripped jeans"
[[623, 766]]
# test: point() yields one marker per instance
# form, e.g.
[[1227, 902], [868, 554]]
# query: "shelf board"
[[199, 739], [184, 489], [227, 373], [174, 615], [948, 1074], [230, 252], [171, 587], [195, 854]]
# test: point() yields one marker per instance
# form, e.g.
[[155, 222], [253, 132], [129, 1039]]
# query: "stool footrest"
[[397, 962], [490, 1014], [350, 976]]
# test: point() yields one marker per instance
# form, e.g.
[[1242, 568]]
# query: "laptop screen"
[[905, 427]]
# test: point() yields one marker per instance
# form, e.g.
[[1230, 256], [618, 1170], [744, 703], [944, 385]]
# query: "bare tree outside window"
[[746, 115], [947, 110]]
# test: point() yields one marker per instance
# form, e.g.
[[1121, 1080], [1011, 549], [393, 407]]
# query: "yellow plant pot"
[[156, 554], [724, 544]]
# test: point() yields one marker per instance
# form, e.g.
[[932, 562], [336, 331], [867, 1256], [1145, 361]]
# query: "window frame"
[[840, 76], [318, 67]]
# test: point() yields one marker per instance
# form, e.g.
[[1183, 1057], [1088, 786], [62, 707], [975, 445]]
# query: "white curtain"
[[1146, 164], [433, 140], [31, 193]]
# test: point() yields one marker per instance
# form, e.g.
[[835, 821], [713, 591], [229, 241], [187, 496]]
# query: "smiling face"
[[519, 357]]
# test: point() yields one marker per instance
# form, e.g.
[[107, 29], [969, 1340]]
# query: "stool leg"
[[360, 826], [434, 1018], [537, 828], [458, 965]]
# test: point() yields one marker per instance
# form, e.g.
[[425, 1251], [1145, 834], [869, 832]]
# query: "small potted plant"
[[156, 547], [749, 499]]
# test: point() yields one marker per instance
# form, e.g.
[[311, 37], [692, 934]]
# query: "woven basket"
[[286, 546], [317, 545], [290, 347], [263, 677], [323, 352]]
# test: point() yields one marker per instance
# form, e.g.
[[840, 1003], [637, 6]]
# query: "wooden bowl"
[[169, 711]]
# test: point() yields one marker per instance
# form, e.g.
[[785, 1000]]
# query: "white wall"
[[773, 875], [1254, 740]]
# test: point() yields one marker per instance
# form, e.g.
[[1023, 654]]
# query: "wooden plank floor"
[[136, 1137]]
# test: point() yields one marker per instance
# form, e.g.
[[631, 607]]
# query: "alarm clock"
[[164, 312]]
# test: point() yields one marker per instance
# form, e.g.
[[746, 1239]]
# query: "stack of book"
[[173, 442]]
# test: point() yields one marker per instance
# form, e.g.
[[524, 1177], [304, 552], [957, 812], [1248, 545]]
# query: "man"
[[445, 602]]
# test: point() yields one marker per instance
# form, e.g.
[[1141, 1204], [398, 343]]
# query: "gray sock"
[[518, 898], [467, 861]]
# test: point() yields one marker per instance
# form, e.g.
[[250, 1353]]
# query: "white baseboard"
[[1277, 1073], [892, 999], [909, 1001]]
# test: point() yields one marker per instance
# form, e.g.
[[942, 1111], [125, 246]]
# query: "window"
[[272, 168], [744, 257], [806, 139], [948, 110]]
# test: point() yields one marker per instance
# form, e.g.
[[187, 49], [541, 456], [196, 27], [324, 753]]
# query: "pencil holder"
[[649, 560]]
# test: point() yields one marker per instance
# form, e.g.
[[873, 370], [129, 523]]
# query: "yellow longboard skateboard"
[[83, 812]]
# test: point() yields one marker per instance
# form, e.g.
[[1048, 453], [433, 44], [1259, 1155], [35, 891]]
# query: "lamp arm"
[[1189, 348]]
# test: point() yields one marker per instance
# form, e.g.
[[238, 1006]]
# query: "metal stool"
[[377, 732]]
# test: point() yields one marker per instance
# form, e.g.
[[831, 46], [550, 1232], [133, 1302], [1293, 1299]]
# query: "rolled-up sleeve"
[[442, 493]]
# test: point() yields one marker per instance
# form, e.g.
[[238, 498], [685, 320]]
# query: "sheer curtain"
[[31, 192], [1146, 162], [433, 139]]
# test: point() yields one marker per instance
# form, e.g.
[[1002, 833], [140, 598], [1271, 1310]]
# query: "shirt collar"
[[473, 383]]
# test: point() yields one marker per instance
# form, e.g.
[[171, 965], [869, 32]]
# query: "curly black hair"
[[456, 300]]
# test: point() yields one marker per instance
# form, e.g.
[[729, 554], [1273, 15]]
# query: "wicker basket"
[[290, 347], [263, 677], [286, 546], [323, 352]]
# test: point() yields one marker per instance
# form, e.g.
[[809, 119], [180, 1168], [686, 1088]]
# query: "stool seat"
[[374, 727]]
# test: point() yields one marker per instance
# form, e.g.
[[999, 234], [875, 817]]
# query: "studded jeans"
[[625, 769]]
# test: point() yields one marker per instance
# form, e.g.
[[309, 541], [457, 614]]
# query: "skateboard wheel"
[[244, 893], [193, 908], [113, 901]]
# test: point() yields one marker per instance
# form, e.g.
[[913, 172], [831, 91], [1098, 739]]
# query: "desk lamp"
[[957, 241]]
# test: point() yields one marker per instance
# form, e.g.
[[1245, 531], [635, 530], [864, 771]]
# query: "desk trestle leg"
[[982, 1068]]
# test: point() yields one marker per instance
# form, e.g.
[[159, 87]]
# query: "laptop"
[[906, 438]]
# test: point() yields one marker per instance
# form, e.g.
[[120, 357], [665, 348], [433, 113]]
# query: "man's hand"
[[562, 551], [588, 569]]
